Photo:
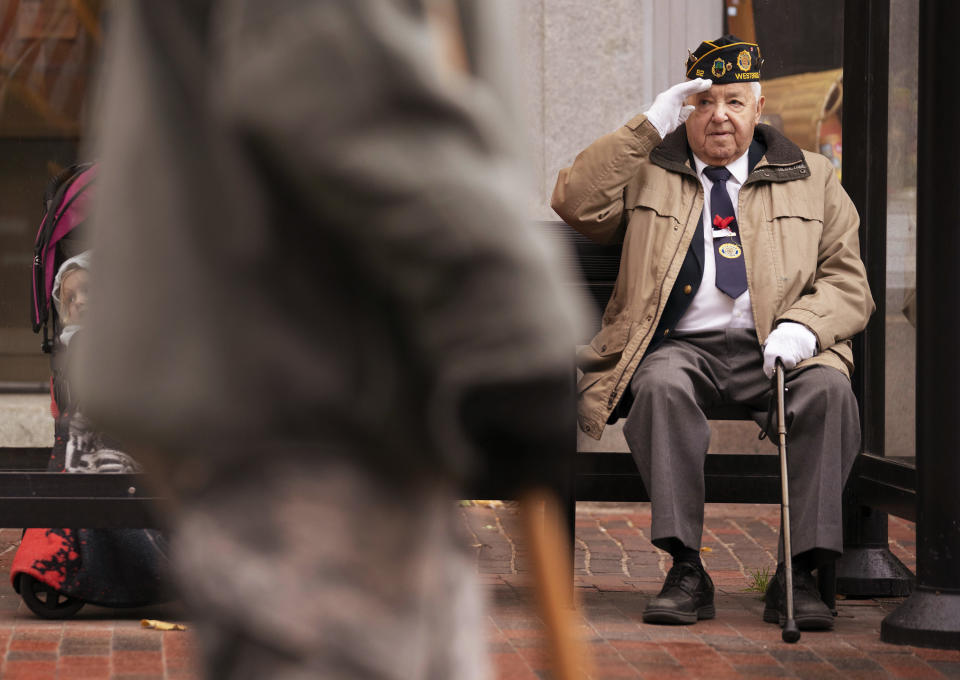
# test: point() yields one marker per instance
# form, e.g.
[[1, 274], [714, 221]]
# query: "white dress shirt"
[[711, 308]]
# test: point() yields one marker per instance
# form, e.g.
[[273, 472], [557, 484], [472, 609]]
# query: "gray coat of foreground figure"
[[318, 306]]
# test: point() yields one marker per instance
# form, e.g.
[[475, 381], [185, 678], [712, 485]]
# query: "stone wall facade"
[[588, 67]]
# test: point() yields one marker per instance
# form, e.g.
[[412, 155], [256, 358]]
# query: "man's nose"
[[720, 113]]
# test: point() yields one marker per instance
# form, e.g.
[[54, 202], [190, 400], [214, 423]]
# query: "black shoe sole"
[[672, 616], [822, 622]]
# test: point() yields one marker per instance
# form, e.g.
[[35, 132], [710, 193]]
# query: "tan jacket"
[[797, 225]]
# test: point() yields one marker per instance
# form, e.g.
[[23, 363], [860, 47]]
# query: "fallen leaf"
[[706, 549], [161, 625], [488, 504]]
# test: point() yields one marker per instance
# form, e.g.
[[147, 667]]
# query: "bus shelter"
[[867, 93], [922, 487]]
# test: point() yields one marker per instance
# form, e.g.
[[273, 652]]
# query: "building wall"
[[588, 67]]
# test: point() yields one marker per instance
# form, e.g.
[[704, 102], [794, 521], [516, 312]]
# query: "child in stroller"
[[57, 571], [87, 450]]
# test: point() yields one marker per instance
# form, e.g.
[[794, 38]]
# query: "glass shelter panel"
[[802, 45], [899, 434]]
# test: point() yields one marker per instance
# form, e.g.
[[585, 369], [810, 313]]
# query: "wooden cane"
[[550, 555], [791, 633], [539, 508]]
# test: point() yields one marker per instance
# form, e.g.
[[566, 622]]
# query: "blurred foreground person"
[[318, 311]]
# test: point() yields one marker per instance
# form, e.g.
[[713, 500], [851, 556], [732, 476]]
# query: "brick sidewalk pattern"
[[616, 572]]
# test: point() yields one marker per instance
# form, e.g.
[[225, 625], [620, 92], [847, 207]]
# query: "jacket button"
[[666, 331], [603, 348], [687, 289], [649, 318]]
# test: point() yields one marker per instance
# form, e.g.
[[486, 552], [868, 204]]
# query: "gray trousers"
[[668, 433]]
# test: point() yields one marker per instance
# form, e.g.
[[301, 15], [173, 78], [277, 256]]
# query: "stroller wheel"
[[46, 602]]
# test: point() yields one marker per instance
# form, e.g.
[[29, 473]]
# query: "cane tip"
[[790, 632]]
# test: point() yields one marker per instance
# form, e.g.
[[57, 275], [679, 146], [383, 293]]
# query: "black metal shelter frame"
[[928, 492]]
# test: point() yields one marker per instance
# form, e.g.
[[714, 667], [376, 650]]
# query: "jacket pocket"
[[658, 199], [602, 354], [844, 350], [788, 206], [795, 228]]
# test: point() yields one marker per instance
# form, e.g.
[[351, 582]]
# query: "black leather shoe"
[[809, 611], [686, 596]]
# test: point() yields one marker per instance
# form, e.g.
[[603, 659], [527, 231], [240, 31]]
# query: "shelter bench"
[[31, 497], [612, 476]]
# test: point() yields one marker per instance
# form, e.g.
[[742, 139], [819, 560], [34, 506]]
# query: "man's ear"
[[760, 104]]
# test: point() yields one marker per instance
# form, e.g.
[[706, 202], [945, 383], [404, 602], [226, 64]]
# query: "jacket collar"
[[782, 162]]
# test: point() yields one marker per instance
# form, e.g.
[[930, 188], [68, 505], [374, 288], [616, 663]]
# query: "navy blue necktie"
[[727, 250]]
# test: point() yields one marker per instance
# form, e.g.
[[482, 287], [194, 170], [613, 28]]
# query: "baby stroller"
[[57, 571]]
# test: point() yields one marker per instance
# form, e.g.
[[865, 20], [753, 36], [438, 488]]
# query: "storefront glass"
[[48, 50]]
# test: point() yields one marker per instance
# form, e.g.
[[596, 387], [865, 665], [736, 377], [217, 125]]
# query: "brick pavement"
[[616, 572], [96, 644]]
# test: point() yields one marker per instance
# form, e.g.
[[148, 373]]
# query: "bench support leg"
[[570, 510], [868, 568]]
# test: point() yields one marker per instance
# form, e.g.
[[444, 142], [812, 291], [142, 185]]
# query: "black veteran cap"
[[727, 60]]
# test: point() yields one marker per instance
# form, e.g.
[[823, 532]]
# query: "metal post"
[[867, 567], [930, 617]]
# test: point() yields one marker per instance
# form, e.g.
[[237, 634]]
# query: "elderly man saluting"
[[738, 248]]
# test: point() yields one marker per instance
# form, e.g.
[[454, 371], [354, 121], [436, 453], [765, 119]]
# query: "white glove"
[[791, 343], [668, 111]]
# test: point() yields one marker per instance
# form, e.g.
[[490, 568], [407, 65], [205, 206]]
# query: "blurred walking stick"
[[550, 555]]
